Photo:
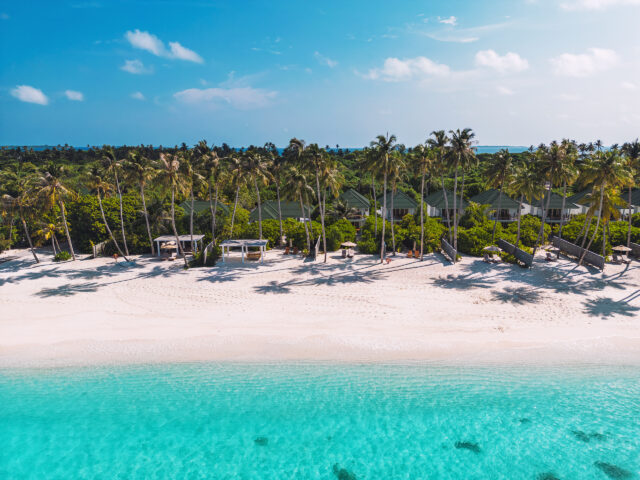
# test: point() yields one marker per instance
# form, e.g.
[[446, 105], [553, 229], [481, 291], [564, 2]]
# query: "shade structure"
[[621, 248], [492, 248], [348, 244]]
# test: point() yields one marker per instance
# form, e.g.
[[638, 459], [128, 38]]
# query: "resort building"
[[200, 206], [358, 204], [436, 205], [555, 214], [269, 210], [402, 203], [508, 207], [579, 200]]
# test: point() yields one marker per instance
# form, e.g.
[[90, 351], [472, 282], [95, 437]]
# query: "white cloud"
[[395, 70], [453, 21], [569, 97], [150, 43], [243, 98], [629, 86], [596, 4], [28, 94], [510, 62], [74, 95], [137, 96], [451, 38], [135, 66], [505, 91], [584, 64], [325, 60]]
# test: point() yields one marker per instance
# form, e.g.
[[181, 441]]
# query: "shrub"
[[62, 256], [529, 229], [212, 258], [339, 232], [475, 215]]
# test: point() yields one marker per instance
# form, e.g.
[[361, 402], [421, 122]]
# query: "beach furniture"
[[254, 255], [344, 253], [410, 254], [295, 250], [350, 253], [619, 254], [416, 253], [486, 258], [496, 259], [286, 251], [551, 258]]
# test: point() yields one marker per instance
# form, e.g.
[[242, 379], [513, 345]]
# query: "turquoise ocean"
[[223, 421]]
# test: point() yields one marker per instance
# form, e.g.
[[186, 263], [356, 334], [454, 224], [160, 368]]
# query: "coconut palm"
[[170, 176], [497, 174], [191, 165], [139, 171], [237, 178], [213, 173], [631, 151], [383, 145], [276, 162], [47, 231], [368, 164], [297, 188], [256, 169], [113, 165], [438, 142], [462, 151], [98, 185], [22, 201], [525, 185], [566, 173], [52, 191], [396, 167]]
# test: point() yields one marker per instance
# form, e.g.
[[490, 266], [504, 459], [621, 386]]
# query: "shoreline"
[[97, 313]]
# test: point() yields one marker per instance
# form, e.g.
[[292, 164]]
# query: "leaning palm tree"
[[98, 185], [47, 232], [23, 203], [383, 145], [566, 173], [139, 171], [52, 191], [213, 173], [113, 165], [297, 188], [256, 169], [497, 173], [631, 151], [439, 142], [191, 166], [170, 176], [461, 153]]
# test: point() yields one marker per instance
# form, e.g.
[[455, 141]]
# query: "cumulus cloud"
[[137, 96], [584, 64], [28, 94], [243, 98], [74, 95], [596, 4], [395, 70], [324, 60], [629, 86], [135, 66], [508, 63], [502, 90], [453, 21], [152, 44]]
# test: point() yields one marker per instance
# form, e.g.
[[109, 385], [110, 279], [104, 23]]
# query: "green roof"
[[492, 198], [436, 199], [270, 210], [353, 199], [556, 202], [635, 196], [577, 198], [400, 200], [200, 206], [624, 195]]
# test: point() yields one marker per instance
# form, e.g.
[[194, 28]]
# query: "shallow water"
[[320, 422]]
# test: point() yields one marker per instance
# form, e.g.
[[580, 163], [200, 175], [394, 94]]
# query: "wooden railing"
[[635, 249], [520, 254], [576, 251], [99, 248], [449, 250]]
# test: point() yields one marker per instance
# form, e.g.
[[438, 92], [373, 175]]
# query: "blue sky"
[[518, 72]]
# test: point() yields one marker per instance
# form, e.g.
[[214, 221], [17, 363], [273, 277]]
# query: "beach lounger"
[[616, 259], [416, 253], [410, 254], [486, 258], [350, 253], [286, 251], [496, 259], [253, 255], [551, 257], [344, 253]]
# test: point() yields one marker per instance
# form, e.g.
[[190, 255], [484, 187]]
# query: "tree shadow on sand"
[[273, 287], [518, 296], [67, 290], [604, 307], [462, 282]]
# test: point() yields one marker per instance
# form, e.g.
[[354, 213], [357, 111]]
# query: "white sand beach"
[[94, 311]]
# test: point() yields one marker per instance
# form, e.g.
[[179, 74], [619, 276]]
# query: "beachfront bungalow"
[[436, 206], [578, 199], [555, 213], [269, 210], [200, 206], [508, 206], [403, 204], [359, 203]]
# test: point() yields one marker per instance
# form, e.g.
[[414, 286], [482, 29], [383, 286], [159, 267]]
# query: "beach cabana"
[[269, 210], [436, 205], [508, 206], [358, 202], [403, 204], [168, 240], [244, 246]]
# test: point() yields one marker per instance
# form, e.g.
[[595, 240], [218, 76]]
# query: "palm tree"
[[497, 173], [52, 191], [191, 165], [438, 142], [461, 152], [213, 172], [111, 164], [47, 232], [383, 145], [566, 173], [297, 188], [237, 174], [276, 162], [257, 171], [631, 151], [369, 164], [139, 171], [170, 177], [396, 172], [97, 184], [22, 201], [525, 184]]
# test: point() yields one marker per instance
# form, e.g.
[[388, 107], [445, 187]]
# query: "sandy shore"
[[94, 311]]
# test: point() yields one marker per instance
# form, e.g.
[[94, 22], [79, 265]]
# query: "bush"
[[369, 242], [475, 215], [529, 229], [339, 232], [213, 256], [62, 256]]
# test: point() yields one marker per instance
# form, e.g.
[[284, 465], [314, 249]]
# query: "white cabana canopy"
[[244, 245], [182, 238]]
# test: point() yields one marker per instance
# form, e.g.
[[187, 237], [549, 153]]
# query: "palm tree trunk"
[[56, 241], [279, 210], [255, 184], [393, 219], [462, 191], [11, 225], [146, 219], [26, 232], [495, 223], [455, 210], [422, 216], [597, 226], [375, 206], [384, 214], [304, 220], [106, 226], [321, 207], [586, 232], [564, 199], [53, 244], [629, 227], [124, 238], [173, 225], [446, 207], [519, 217], [604, 238], [540, 238], [191, 218], [233, 216], [66, 229]]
